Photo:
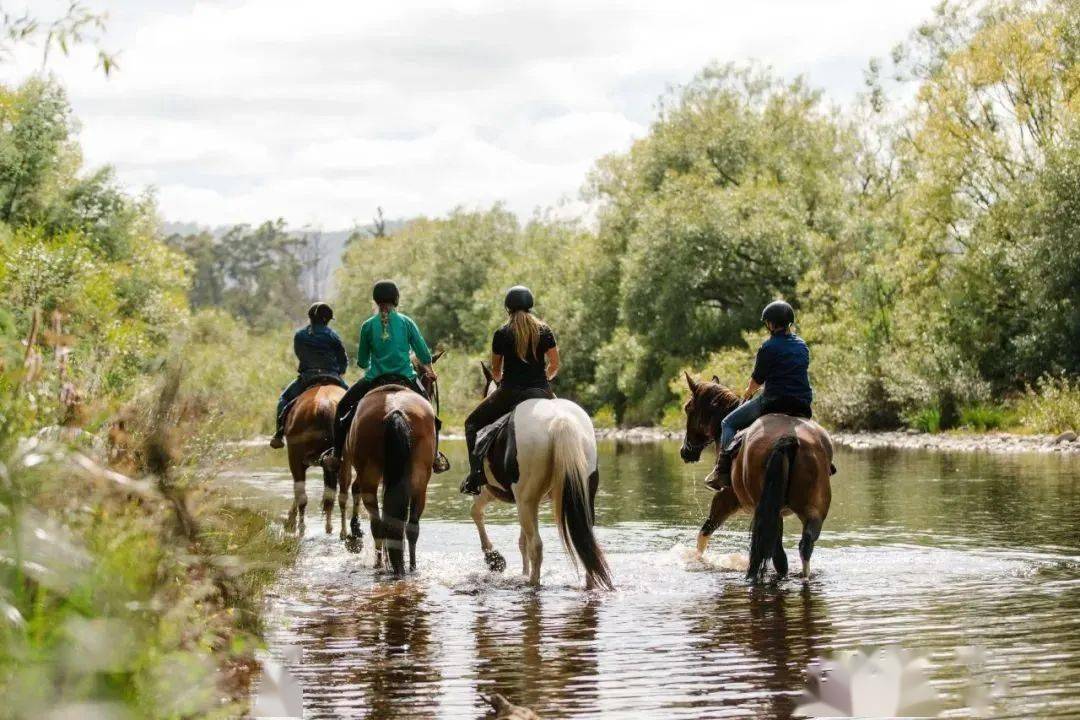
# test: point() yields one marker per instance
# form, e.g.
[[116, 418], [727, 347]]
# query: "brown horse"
[[391, 441], [308, 434], [783, 467]]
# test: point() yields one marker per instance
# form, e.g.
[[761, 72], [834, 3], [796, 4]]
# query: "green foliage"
[[926, 420], [986, 417], [1051, 406]]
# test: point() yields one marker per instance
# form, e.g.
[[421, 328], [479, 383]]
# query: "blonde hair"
[[526, 329], [384, 318]]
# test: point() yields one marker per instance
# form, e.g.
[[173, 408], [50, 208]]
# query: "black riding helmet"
[[385, 291], [779, 313], [320, 313], [518, 297]]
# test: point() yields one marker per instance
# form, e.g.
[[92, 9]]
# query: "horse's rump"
[[309, 423]]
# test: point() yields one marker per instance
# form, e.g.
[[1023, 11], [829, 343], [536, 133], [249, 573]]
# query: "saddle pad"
[[498, 441]]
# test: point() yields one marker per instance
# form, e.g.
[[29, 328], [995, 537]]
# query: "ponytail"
[[526, 329], [384, 318]]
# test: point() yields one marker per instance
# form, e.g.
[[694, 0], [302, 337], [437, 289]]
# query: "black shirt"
[[524, 375]]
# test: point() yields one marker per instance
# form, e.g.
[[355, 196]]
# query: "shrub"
[[1051, 407], [927, 420]]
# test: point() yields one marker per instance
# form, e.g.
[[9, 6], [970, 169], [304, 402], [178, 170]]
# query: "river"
[[932, 552]]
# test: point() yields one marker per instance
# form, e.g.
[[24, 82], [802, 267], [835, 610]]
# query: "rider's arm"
[[752, 387], [342, 356], [496, 367], [419, 345], [363, 350], [552, 363]]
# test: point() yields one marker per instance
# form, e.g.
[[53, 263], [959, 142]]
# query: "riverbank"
[[1065, 443], [996, 442]]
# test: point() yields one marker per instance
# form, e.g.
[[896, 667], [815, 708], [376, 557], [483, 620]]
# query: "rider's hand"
[[431, 375]]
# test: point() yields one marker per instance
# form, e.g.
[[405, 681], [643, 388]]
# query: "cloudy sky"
[[320, 110]]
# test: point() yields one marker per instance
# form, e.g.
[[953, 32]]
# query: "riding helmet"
[[779, 313], [385, 291], [320, 313], [518, 297]]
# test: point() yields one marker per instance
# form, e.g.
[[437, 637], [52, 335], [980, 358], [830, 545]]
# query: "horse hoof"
[[495, 561], [354, 544]]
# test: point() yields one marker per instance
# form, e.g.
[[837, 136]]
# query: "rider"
[[781, 367], [321, 354], [385, 340], [524, 359]]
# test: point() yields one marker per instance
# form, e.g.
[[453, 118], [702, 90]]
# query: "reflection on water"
[[929, 551]]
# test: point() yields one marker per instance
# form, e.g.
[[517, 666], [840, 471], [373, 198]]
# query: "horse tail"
[[767, 526], [397, 451], [570, 501]]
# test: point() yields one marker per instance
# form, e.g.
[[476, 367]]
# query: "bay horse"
[[783, 467], [556, 457], [309, 430], [391, 441]]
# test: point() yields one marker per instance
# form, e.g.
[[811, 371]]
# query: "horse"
[[556, 457], [308, 434], [391, 440], [783, 467]]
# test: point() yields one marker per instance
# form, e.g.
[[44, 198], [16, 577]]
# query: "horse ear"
[[716, 380], [691, 382], [436, 356]]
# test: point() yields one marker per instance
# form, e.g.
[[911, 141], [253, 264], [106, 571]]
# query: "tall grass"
[[1052, 406], [129, 586]]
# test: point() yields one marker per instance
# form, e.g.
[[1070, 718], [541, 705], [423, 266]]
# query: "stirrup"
[[469, 487], [329, 461], [441, 464]]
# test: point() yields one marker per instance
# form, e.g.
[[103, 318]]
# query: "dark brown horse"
[[308, 434], [391, 441], [783, 467]]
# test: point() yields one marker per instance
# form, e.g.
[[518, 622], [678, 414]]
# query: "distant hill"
[[323, 255]]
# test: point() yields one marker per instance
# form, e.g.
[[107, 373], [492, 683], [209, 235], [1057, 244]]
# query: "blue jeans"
[[739, 418]]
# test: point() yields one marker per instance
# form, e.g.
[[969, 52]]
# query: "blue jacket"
[[781, 366], [318, 348]]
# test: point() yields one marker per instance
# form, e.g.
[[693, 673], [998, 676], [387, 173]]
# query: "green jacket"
[[379, 355]]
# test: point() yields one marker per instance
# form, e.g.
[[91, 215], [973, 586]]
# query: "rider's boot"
[[442, 463], [474, 481], [721, 474], [278, 440]]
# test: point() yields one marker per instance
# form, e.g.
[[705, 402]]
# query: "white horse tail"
[[570, 501]]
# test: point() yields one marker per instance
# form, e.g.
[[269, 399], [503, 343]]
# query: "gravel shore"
[[903, 440], [1065, 443]]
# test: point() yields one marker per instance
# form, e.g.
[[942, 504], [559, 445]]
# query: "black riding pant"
[[493, 407], [355, 394]]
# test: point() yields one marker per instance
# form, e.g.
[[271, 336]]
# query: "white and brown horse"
[[556, 457], [309, 430]]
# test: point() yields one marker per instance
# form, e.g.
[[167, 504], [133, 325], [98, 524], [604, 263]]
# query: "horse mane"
[[716, 394]]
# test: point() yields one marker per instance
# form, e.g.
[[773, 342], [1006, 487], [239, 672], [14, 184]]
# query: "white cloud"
[[241, 110]]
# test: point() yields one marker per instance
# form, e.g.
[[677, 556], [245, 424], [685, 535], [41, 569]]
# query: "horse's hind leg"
[[811, 531], [724, 504], [412, 529], [779, 557], [530, 530], [371, 504]]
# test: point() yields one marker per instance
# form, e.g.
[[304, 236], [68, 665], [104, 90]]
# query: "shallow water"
[[932, 552]]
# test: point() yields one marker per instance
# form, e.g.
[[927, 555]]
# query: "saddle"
[[737, 441], [497, 444], [308, 382]]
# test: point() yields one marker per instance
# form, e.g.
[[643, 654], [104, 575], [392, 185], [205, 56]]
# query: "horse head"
[[709, 403]]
